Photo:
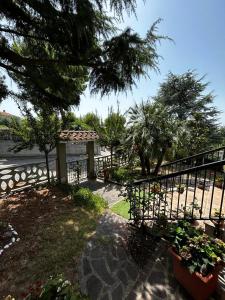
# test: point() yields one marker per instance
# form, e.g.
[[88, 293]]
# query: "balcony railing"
[[202, 158], [193, 193]]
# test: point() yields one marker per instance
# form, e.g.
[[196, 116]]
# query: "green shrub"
[[120, 175], [55, 288], [85, 198]]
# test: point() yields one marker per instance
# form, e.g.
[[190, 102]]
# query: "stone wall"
[[71, 149]]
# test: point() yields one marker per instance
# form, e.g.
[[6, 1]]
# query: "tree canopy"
[[3, 89], [112, 130], [186, 94], [186, 98], [41, 130], [55, 47]]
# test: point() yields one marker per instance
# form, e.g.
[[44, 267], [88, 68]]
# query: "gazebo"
[[75, 137]]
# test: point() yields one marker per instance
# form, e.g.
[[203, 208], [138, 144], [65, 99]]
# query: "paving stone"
[[105, 297], [117, 293], [94, 287], [121, 253], [172, 284], [99, 267], [159, 291], [114, 251], [115, 275], [146, 296], [182, 293], [132, 296], [131, 270], [86, 266], [123, 277], [111, 262], [96, 252], [157, 277]]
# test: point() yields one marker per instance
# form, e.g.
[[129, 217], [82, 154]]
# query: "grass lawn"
[[121, 208], [53, 233]]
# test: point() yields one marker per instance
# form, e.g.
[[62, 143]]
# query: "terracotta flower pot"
[[198, 286], [219, 184]]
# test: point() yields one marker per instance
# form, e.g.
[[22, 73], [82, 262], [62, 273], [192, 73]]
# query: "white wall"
[[72, 149]]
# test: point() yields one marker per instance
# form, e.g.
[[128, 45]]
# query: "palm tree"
[[151, 132]]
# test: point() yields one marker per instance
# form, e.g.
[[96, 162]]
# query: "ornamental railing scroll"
[[20, 177]]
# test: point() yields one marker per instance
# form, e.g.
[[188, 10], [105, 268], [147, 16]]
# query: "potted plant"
[[219, 181], [201, 185], [190, 213], [156, 188], [197, 259], [220, 222], [180, 188]]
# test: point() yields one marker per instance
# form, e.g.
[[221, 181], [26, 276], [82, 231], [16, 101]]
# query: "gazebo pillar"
[[61, 163], [90, 146]]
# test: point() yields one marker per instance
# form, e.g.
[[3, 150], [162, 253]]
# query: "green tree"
[[41, 130], [92, 120], [151, 133], [222, 135], [186, 99], [61, 37], [71, 122], [186, 94], [3, 89], [113, 129]]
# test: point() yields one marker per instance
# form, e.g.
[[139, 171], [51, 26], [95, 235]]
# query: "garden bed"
[[53, 233]]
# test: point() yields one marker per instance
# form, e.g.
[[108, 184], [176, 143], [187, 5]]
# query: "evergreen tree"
[[187, 100], [57, 46]]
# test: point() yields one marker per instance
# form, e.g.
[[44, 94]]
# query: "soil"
[[5, 237], [40, 218]]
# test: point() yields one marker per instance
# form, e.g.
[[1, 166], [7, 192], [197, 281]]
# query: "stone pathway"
[[108, 272], [112, 193]]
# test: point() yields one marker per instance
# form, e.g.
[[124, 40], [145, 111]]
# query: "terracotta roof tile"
[[5, 114], [78, 136]]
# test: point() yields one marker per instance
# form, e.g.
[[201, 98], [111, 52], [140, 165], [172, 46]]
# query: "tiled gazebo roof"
[[78, 136]]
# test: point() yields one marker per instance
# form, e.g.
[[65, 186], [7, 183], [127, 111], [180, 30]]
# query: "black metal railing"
[[193, 193], [109, 161], [202, 158], [23, 176], [76, 171]]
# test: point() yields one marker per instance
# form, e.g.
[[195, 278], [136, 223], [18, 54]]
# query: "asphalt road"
[[19, 161]]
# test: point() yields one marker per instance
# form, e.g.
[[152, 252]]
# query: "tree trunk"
[[147, 165], [63, 116], [142, 160], [159, 162], [47, 165], [111, 155]]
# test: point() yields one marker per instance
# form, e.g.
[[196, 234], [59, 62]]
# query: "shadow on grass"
[[53, 234]]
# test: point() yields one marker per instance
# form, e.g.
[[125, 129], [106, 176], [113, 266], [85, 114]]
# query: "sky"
[[198, 31]]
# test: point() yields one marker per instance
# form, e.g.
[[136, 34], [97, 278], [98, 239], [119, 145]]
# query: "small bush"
[[85, 198], [54, 288], [120, 175]]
